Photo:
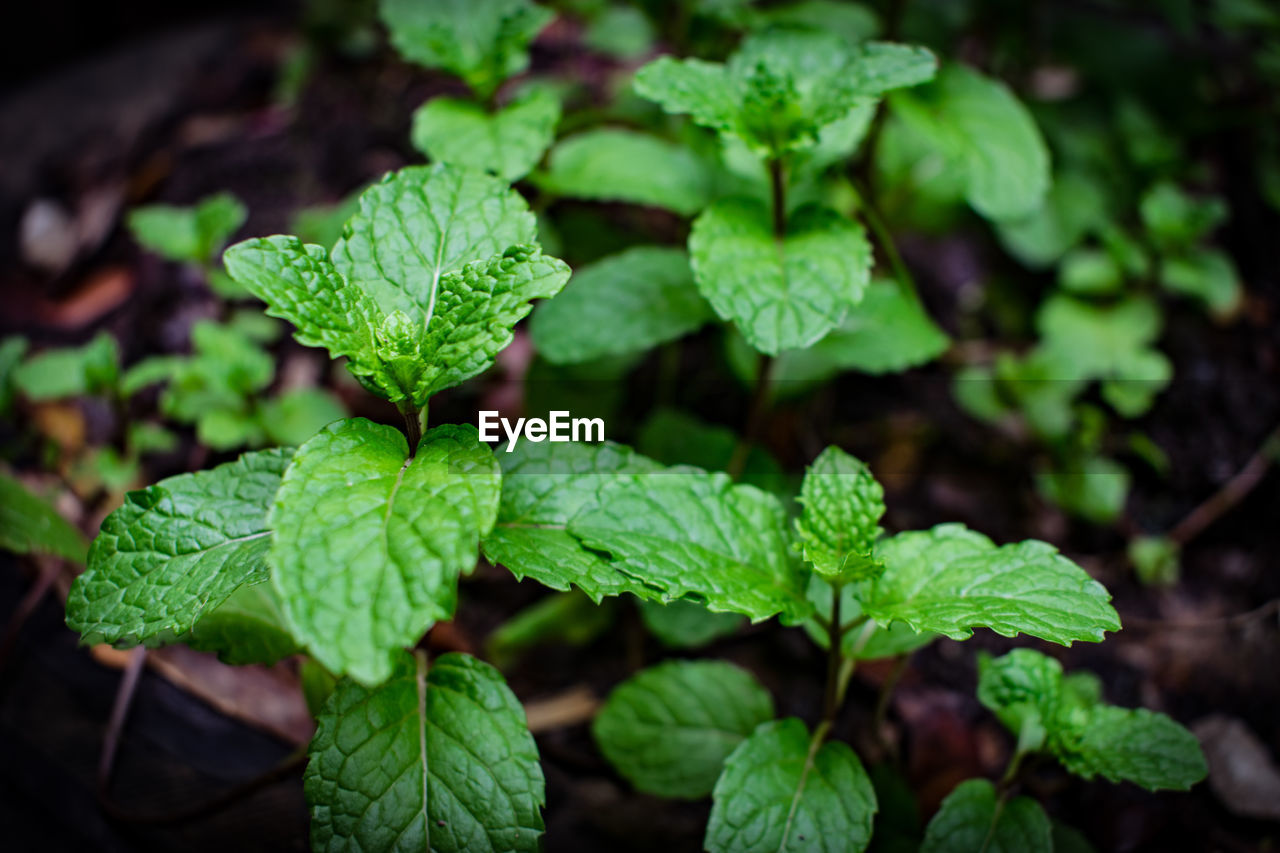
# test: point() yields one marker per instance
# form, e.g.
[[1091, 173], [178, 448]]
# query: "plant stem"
[[1231, 493], [778, 185], [835, 638], [885, 239], [412, 424], [755, 418]]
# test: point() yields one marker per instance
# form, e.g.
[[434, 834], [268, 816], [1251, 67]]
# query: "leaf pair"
[[422, 290]]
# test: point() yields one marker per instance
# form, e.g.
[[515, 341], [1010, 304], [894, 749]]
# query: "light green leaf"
[[422, 222], [621, 31], [29, 524], [950, 580], [781, 790], [300, 285], [508, 142], [482, 41], [1175, 220], [543, 487], [611, 164], [298, 414], [70, 371], [840, 523], [780, 295], [175, 551], [249, 627], [624, 303], [1130, 745], [437, 759], [684, 624], [669, 728], [853, 22], [1092, 487], [981, 129], [1207, 275], [673, 437], [693, 534], [783, 86], [370, 541], [569, 618], [1090, 272], [973, 818], [192, 235], [12, 349], [1024, 690], [1156, 559], [1074, 205]]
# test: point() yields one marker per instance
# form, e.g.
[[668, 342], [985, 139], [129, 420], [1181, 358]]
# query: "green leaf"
[[175, 551], [544, 486], [1090, 272], [1024, 690], [1074, 205], [192, 235], [370, 541], [437, 759], [508, 142], [684, 624], [853, 22], [783, 86], [693, 534], [781, 790], [70, 371], [950, 580], [298, 414], [977, 125], [838, 528], [620, 31], [1175, 220], [322, 223], [1132, 745], [781, 295], [673, 437], [626, 303], [300, 285], [422, 222], [669, 728], [12, 349], [1156, 559], [1092, 487], [29, 524], [973, 818], [569, 617], [482, 41], [1206, 275], [611, 164], [249, 627], [872, 641]]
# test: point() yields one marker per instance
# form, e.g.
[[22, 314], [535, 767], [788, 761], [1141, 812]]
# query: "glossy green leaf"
[[781, 790], [438, 758], [979, 128], [248, 627], [626, 303], [29, 524], [669, 728], [973, 818], [838, 528], [950, 580], [544, 486], [482, 41], [508, 142], [780, 295], [175, 551], [369, 541], [611, 164], [692, 534], [1130, 745], [192, 235]]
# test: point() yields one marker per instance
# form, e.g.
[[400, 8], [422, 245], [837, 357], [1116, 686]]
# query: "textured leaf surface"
[[838, 529], [543, 487], [436, 759], [950, 580], [508, 142], [973, 819], [422, 222], [693, 534], [669, 728], [30, 524], [611, 164], [482, 41], [781, 791], [981, 128], [370, 542], [1132, 745], [176, 550], [625, 303], [780, 295], [249, 627], [300, 285]]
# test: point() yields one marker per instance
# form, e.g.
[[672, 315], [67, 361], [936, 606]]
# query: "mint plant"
[[193, 236], [484, 43]]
